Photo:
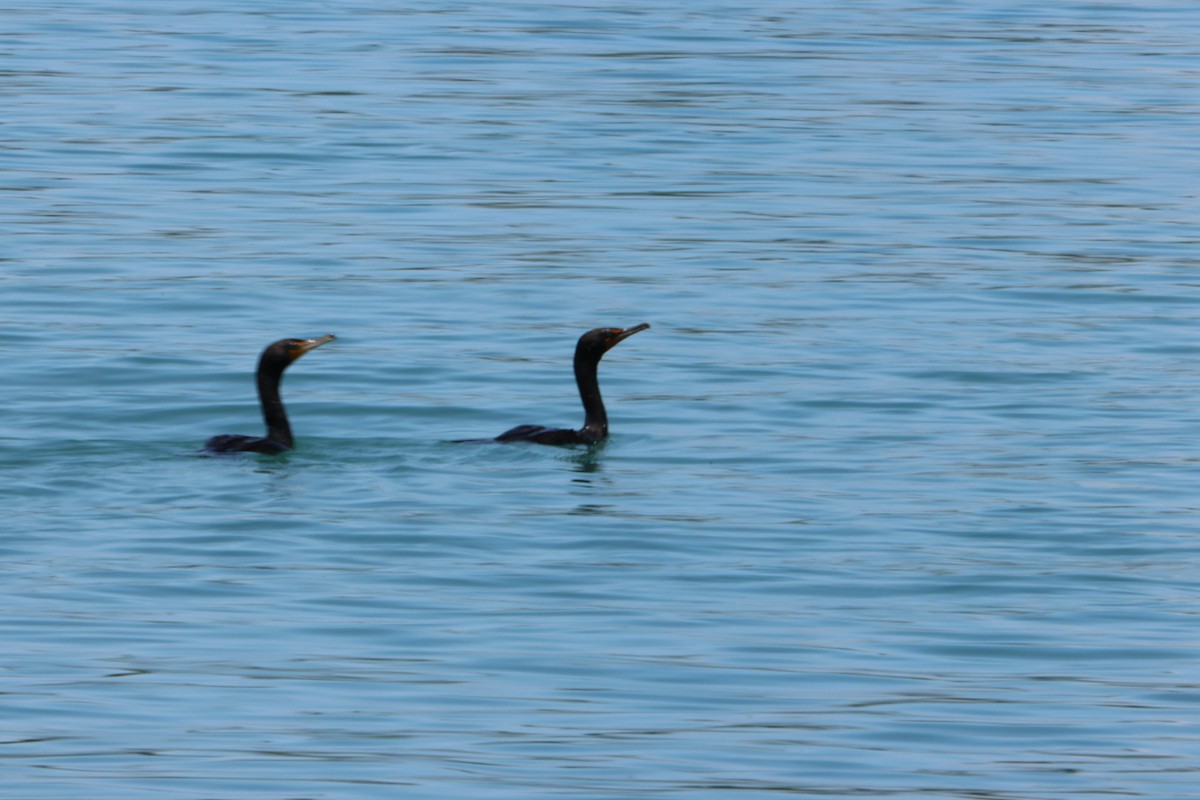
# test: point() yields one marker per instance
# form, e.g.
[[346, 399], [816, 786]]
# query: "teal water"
[[900, 499]]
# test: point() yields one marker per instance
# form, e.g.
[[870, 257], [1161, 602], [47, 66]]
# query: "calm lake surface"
[[901, 495]]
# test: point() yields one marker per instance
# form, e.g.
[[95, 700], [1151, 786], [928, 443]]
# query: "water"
[[900, 496]]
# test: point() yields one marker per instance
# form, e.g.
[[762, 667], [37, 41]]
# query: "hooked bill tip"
[[314, 343], [627, 332]]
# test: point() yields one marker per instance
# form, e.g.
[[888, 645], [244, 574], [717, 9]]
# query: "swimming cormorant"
[[591, 348], [274, 360]]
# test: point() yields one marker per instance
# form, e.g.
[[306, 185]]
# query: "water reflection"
[[587, 460], [592, 509]]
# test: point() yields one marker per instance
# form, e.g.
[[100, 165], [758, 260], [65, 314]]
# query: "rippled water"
[[900, 499]]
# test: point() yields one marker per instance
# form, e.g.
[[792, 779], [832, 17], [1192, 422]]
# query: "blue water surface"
[[900, 496]]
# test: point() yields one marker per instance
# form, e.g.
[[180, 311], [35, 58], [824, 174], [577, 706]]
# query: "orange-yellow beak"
[[312, 344], [624, 333]]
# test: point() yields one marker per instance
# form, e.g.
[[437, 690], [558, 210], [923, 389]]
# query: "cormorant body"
[[277, 357], [591, 348]]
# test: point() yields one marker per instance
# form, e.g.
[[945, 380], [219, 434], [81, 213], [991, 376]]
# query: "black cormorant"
[[591, 348], [274, 360]]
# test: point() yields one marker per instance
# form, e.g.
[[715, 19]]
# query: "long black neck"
[[595, 420], [270, 373]]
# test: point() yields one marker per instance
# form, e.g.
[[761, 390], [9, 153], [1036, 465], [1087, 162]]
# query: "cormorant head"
[[286, 351], [599, 341]]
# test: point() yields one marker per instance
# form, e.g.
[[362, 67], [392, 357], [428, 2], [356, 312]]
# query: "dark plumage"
[[591, 348], [274, 360]]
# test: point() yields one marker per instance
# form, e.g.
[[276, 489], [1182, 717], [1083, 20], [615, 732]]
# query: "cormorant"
[[591, 348], [274, 360]]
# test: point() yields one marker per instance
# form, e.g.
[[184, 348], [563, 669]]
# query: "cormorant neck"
[[270, 373], [595, 420]]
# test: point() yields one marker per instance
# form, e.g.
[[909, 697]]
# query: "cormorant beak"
[[312, 344], [625, 333]]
